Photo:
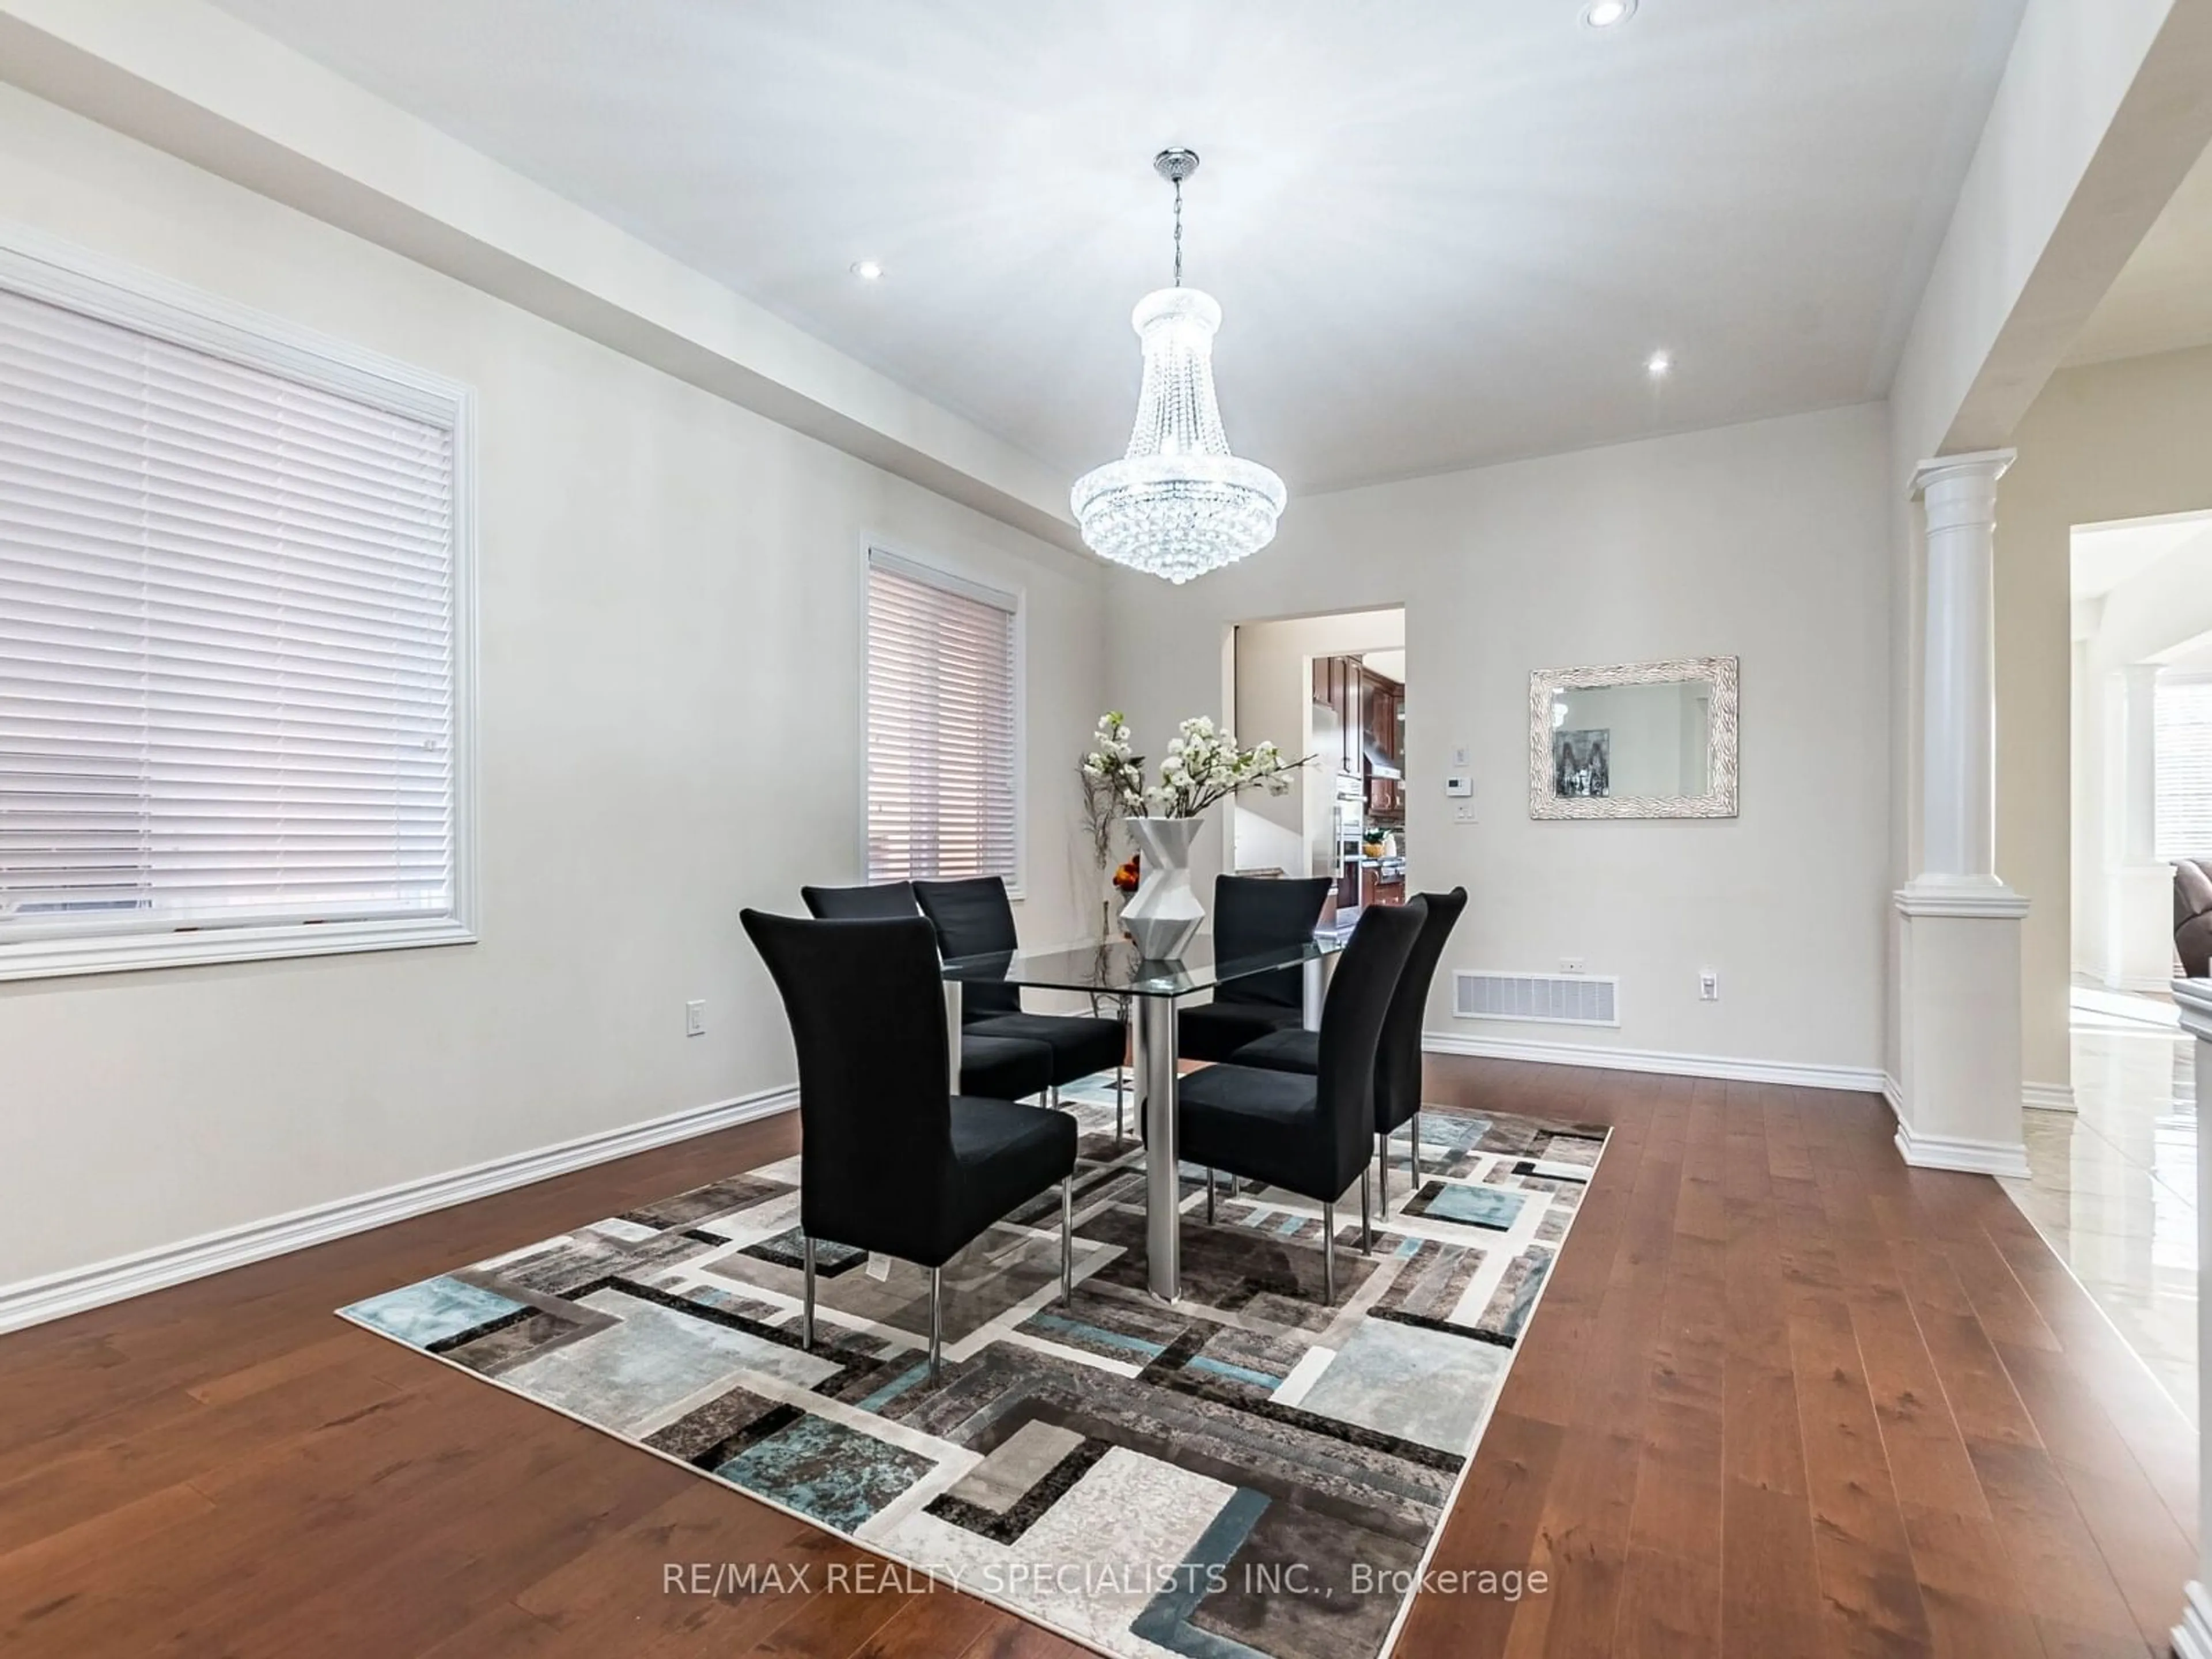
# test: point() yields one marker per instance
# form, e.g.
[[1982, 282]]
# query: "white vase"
[[1163, 916]]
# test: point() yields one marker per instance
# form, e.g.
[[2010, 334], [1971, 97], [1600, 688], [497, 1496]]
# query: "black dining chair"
[[1001, 1067], [1253, 914], [1309, 1133], [891, 1159], [1398, 1060], [973, 918]]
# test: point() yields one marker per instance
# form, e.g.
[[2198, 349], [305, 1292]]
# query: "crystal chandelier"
[[1177, 504]]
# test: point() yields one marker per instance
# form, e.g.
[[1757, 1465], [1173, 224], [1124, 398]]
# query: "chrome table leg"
[[953, 1029], [1156, 1059]]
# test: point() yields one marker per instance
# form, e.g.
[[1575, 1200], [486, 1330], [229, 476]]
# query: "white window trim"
[[955, 576], [46, 268]]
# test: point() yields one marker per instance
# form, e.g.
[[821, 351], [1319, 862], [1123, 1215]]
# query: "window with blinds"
[[942, 726], [228, 632], [2183, 711]]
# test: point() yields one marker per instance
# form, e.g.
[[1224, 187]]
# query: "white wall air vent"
[[1546, 999]]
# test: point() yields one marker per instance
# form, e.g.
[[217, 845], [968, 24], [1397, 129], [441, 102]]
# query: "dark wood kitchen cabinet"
[[1336, 684], [1384, 705]]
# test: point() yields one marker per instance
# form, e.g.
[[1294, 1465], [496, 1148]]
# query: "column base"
[[1984, 897], [2192, 1637], [2138, 927], [1959, 1095], [1988, 1157]]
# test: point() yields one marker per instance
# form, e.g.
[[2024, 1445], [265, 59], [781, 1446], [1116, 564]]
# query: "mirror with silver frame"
[[1638, 741]]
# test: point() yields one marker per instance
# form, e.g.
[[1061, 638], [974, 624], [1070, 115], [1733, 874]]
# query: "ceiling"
[[1442, 232], [2163, 299], [2105, 556]]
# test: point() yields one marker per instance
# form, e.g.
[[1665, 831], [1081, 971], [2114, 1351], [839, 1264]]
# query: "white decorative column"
[[2138, 889], [1959, 1095], [2192, 1637]]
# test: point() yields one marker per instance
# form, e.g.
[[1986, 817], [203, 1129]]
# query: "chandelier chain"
[[1178, 232]]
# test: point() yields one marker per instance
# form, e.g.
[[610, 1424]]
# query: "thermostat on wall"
[[1458, 783]]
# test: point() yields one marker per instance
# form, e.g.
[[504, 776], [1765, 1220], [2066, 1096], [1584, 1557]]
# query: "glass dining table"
[[1151, 990]]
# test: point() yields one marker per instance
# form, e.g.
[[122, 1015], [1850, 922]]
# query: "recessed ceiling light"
[[869, 271], [1658, 365], [1607, 14]]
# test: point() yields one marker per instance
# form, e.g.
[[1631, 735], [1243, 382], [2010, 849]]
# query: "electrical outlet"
[[1463, 812], [1708, 987], [1573, 965], [694, 1019]]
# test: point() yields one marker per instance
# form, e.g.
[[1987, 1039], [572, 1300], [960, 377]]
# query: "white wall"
[[672, 617], [2156, 615], [2100, 116], [2113, 440], [1274, 702], [1766, 542]]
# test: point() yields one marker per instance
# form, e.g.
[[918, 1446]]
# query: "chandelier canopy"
[[1177, 504]]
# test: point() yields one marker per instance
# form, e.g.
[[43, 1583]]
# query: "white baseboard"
[[2192, 1637], [2047, 1096], [1855, 1079], [1990, 1157], [1893, 1094], [2149, 985], [74, 1290]]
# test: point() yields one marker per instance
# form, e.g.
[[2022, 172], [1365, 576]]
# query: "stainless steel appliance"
[[1350, 817]]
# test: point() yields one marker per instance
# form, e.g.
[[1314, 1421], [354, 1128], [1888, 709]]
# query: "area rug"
[[1248, 1473]]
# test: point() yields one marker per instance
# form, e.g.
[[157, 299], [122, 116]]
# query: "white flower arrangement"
[[1203, 766]]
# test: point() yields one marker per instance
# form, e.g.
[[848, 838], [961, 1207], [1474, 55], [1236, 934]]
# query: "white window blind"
[[2184, 728], [228, 634], [941, 726]]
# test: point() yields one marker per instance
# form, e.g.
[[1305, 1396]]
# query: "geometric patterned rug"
[[1248, 1473]]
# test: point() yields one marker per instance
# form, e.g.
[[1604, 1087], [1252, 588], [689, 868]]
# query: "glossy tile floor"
[[2113, 1190]]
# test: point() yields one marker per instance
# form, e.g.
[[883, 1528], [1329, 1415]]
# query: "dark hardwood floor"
[[1784, 1396]]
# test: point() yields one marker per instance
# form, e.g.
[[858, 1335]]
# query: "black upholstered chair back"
[[1398, 1062], [1352, 1024], [867, 1018], [1253, 915], [973, 918], [881, 903], [2192, 916]]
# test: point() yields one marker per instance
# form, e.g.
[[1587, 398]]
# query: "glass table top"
[[1115, 969]]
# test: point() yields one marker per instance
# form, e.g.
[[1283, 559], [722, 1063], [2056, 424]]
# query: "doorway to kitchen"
[[1332, 688]]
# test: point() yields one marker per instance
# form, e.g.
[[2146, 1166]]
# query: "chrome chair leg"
[[807, 1316], [1366, 1216], [1052, 1095], [1413, 1148], [1209, 1198], [1383, 1170], [1066, 1240], [936, 1317], [1328, 1253]]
